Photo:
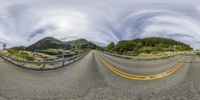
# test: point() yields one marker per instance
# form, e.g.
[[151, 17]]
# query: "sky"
[[24, 22]]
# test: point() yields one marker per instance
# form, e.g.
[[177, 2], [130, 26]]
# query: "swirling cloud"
[[26, 21], [160, 23]]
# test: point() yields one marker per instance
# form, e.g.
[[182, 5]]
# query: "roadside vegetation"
[[50, 48], [197, 52], [1, 52], [147, 46], [60, 52], [28, 55]]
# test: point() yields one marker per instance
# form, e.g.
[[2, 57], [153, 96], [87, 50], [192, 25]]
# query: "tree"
[[123, 46], [110, 47], [146, 45]]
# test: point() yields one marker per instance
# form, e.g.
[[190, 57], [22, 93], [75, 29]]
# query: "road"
[[89, 79]]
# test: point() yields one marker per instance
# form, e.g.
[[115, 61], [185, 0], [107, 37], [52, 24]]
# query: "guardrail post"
[[23, 60], [44, 65], [63, 63]]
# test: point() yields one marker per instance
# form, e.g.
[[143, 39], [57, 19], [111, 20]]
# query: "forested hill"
[[82, 44], [47, 43], [146, 45], [53, 43]]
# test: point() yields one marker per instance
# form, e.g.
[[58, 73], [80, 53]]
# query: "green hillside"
[[146, 45], [19, 48], [48, 43], [82, 44], [52, 43]]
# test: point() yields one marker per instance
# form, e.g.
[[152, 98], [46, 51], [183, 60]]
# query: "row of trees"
[[146, 45]]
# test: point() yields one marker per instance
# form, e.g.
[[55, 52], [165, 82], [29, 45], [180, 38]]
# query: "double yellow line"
[[140, 77]]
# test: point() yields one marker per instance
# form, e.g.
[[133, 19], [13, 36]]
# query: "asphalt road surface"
[[89, 79]]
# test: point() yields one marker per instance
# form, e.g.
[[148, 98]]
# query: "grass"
[[3, 52], [39, 66], [35, 56], [197, 52], [30, 56], [151, 56]]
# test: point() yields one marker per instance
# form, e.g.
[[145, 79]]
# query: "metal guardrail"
[[44, 65], [187, 54]]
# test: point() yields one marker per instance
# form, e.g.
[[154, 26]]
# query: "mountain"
[[48, 43], [19, 48], [146, 45], [52, 43], [82, 44]]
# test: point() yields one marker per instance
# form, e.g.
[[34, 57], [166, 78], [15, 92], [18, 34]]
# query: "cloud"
[[26, 21]]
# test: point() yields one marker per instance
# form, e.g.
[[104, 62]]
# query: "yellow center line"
[[140, 77]]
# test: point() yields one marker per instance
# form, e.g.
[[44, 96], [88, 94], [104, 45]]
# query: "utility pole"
[[63, 56], [174, 48], [97, 47]]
